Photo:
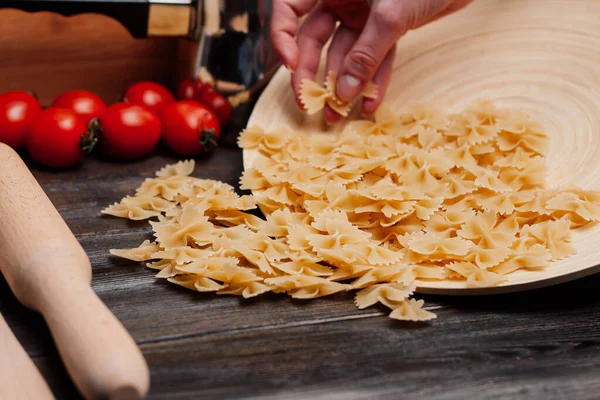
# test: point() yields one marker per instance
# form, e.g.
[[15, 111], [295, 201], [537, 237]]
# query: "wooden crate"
[[50, 54]]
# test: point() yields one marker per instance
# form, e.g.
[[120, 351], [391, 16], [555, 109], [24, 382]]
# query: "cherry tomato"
[[187, 90], [205, 92], [219, 104], [200, 86], [119, 106], [17, 112], [128, 131], [190, 128], [58, 138], [149, 94], [85, 104]]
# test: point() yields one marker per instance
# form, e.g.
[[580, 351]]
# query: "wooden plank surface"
[[543, 344]]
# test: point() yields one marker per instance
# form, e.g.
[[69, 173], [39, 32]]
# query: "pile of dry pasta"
[[388, 202]]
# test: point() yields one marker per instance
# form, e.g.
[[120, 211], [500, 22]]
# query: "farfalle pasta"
[[383, 293], [144, 252], [409, 310], [391, 202], [314, 97], [182, 168]]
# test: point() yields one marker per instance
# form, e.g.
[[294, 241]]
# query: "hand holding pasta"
[[363, 45], [314, 97], [387, 204]]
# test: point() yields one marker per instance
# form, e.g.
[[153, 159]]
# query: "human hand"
[[363, 46]]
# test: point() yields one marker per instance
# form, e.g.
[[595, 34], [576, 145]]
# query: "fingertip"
[[293, 57], [331, 117], [370, 106], [291, 69], [290, 56], [348, 87]]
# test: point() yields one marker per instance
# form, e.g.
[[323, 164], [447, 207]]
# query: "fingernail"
[[352, 81], [348, 88]]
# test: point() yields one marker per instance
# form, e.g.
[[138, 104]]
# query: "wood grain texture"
[[50, 54], [535, 345]]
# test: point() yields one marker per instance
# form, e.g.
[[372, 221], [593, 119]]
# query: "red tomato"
[[58, 138], [200, 86], [85, 104], [129, 131], [205, 92], [187, 90], [219, 104], [17, 112], [189, 128], [149, 94], [118, 106]]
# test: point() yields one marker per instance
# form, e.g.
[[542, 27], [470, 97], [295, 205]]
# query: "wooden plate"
[[542, 56]]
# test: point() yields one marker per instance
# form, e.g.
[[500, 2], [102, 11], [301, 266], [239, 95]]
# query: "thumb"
[[387, 22]]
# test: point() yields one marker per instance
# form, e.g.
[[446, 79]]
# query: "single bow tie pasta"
[[314, 97]]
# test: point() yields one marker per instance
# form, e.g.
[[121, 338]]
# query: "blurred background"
[[52, 54], [105, 46]]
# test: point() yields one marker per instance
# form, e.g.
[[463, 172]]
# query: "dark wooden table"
[[542, 344]]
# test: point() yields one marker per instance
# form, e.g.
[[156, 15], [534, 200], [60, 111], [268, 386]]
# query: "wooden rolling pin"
[[49, 272], [19, 377]]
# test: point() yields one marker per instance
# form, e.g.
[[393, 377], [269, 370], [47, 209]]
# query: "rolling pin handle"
[[49, 271]]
